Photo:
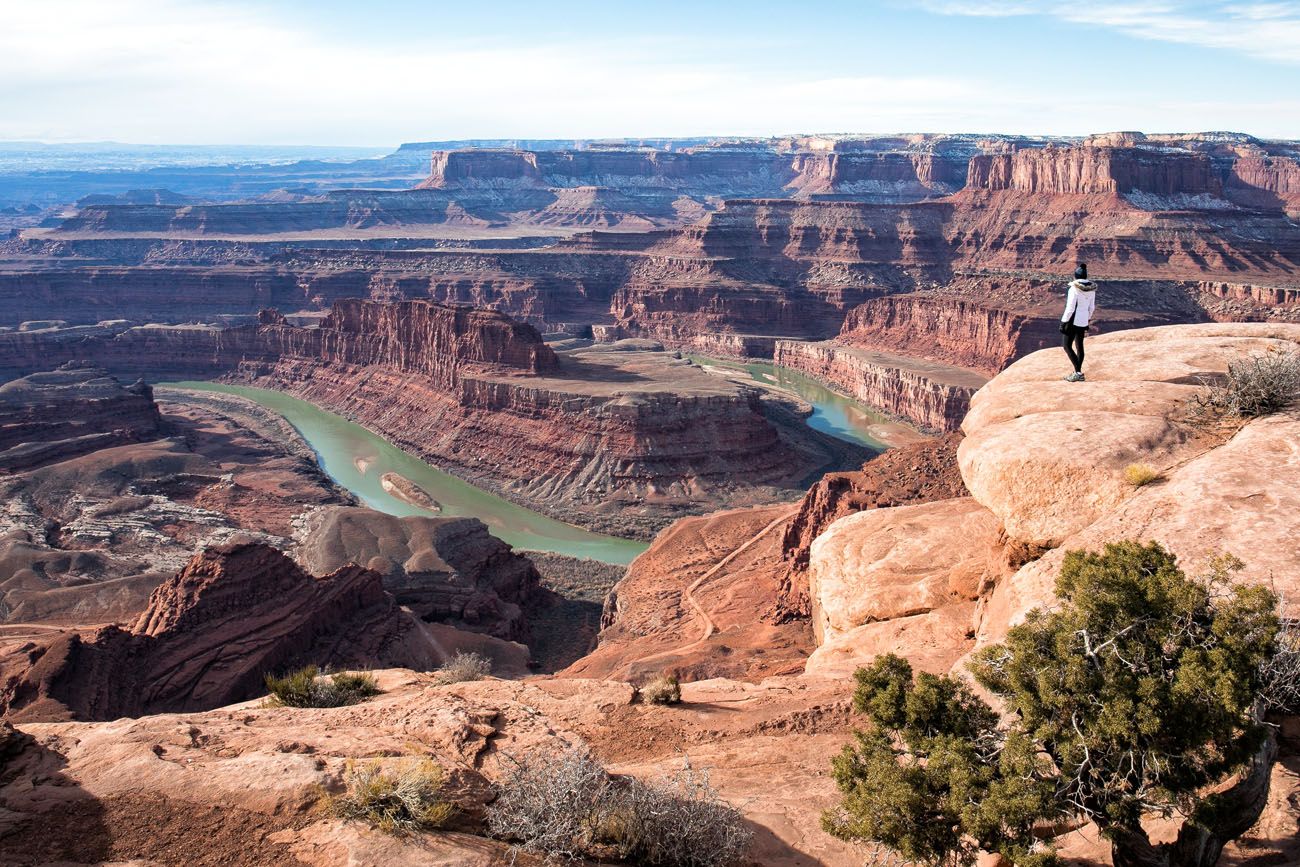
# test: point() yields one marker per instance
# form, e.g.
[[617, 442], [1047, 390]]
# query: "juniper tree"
[[1133, 698]]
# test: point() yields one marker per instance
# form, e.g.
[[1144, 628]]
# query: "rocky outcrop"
[[1044, 462], [902, 580], [210, 634], [910, 474], [53, 416], [448, 570], [930, 395], [1220, 490]]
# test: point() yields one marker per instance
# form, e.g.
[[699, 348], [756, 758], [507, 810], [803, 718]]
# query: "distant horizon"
[[626, 138], [212, 71]]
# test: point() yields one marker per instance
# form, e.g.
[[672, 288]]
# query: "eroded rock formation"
[[209, 635], [53, 416], [445, 569]]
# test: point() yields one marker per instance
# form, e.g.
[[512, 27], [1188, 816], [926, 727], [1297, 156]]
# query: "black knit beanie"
[[1081, 273]]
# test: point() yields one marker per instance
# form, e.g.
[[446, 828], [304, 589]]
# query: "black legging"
[[1072, 341]]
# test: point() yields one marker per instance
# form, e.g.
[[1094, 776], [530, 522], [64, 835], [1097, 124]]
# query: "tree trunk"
[[1222, 818]]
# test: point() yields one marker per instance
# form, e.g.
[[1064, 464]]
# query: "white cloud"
[[1268, 31], [177, 70]]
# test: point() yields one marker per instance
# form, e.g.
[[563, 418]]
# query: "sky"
[[381, 72]]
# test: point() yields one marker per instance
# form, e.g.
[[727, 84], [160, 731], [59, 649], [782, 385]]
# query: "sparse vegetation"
[[1136, 697], [564, 805], [307, 687], [1139, 475], [1255, 386], [400, 798], [1281, 671], [665, 689], [463, 667]]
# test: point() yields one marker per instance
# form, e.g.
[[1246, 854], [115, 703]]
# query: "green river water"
[[356, 458], [344, 448]]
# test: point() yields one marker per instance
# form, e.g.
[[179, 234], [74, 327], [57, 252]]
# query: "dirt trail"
[[688, 595]]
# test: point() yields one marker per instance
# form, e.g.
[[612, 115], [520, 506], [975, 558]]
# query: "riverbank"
[[833, 412], [343, 448]]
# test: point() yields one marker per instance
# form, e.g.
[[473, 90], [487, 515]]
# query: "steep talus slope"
[[209, 635]]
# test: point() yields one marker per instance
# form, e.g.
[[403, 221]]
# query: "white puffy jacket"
[[1080, 302]]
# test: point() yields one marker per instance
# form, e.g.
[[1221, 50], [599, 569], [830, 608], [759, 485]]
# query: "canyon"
[[947, 248], [601, 333], [925, 552], [614, 436]]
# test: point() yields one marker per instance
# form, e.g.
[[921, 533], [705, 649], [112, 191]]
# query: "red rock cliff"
[[1072, 170]]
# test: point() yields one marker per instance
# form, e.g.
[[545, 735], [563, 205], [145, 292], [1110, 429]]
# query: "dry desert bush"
[[665, 689], [306, 687], [400, 798], [1254, 386], [565, 805], [1280, 673], [1139, 475], [463, 667]]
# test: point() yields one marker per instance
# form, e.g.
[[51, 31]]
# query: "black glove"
[[1065, 327]]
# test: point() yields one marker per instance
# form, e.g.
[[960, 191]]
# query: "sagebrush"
[[463, 667], [1255, 386], [402, 797], [565, 805], [307, 687]]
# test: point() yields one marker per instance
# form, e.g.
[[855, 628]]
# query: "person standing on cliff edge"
[[1080, 305]]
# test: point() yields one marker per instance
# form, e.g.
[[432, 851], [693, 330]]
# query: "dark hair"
[[1081, 272]]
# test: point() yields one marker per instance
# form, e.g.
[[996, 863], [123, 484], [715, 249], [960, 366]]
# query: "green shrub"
[[1139, 695], [306, 687], [664, 689], [401, 798], [463, 667]]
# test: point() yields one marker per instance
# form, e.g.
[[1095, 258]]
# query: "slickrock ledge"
[[1044, 462]]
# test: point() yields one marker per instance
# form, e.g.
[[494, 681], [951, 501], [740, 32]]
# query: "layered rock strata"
[[210, 634], [929, 395], [53, 416], [446, 569], [482, 395]]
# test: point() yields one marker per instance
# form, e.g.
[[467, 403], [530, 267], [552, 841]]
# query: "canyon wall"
[[929, 395], [56, 415], [1085, 170]]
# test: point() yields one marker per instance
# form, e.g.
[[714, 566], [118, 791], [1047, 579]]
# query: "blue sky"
[[386, 71]]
